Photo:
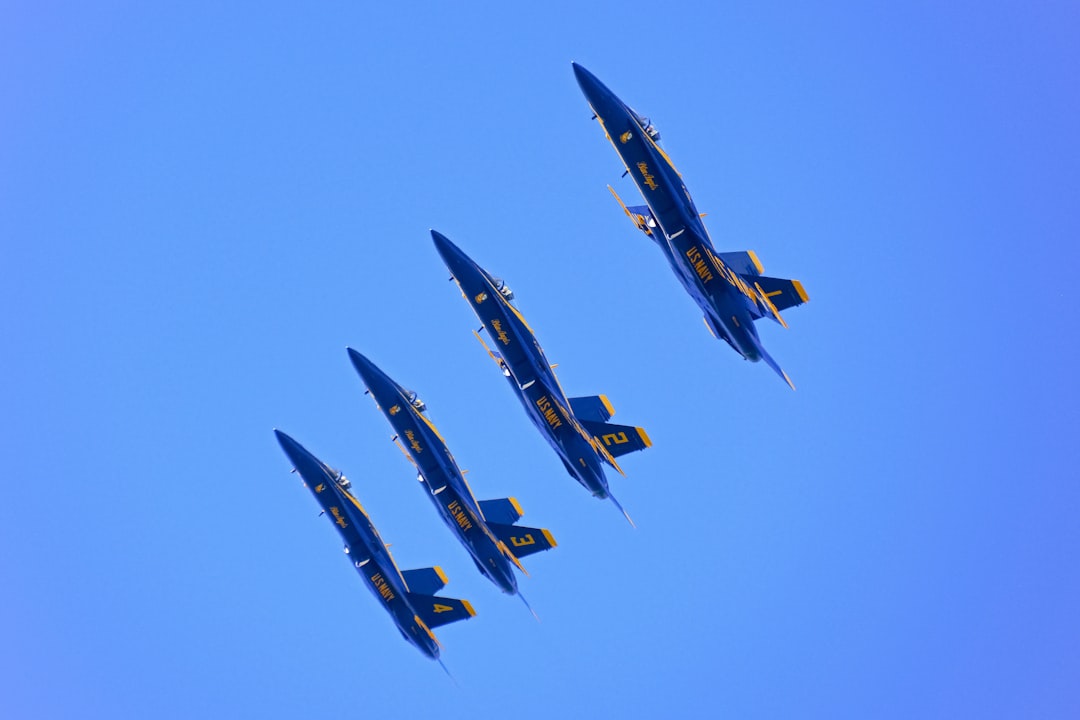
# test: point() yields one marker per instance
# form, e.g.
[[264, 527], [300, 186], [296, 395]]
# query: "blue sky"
[[200, 207]]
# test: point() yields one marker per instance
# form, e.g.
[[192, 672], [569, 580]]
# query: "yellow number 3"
[[522, 541]]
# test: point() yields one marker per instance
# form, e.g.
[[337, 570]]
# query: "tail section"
[[594, 411], [618, 439], [426, 581], [436, 611], [592, 407], [782, 293], [505, 511], [522, 541], [745, 263]]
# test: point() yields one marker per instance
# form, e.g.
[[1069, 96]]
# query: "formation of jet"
[[728, 287], [409, 595], [486, 528], [576, 428]]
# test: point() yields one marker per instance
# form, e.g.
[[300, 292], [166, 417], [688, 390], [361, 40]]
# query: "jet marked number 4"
[[442, 608]]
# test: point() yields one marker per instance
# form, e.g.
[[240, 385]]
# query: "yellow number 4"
[[442, 608]]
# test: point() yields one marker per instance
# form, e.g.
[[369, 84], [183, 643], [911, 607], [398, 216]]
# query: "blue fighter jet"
[[409, 596], [728, 287], [486, 528], [577, 428]]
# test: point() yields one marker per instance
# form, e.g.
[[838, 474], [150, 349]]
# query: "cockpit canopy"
[[504, 289], [415, 400], [340, 479], [646, 125]]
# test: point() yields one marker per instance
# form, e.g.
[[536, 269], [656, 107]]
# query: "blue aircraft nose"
[[372, 376], [382, 388], [604, 102], [304, 462], [457, 261]]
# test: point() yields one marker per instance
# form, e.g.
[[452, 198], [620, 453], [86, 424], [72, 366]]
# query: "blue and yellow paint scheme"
[[576, 428], [409, 596], [486, 528], [728, 287]]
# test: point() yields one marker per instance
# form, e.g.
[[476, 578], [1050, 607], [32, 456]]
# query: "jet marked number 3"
[[522, 541]]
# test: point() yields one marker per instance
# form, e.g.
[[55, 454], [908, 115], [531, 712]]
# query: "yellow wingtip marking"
[[607, 405], [801, 290], [517, 507], [549, 538], [757, 263], [644, 437], [468, 608], [442, 576]]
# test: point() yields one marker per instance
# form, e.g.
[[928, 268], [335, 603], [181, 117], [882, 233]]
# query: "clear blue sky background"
[[201, 206]]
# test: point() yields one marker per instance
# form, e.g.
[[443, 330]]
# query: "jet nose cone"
[[300, 457], [455, 259], [369, 373], [287, 443], [447, 249], [581, 73], [590, 85]]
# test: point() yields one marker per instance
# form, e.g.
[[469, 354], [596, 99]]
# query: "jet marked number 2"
[[615, 439]]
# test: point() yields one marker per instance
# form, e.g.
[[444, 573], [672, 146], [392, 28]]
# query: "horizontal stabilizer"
[[744, 263], [504, 510], [427, 581], [618, 439], [782, 293], [436, 611], [523, 541], [593, 407]]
